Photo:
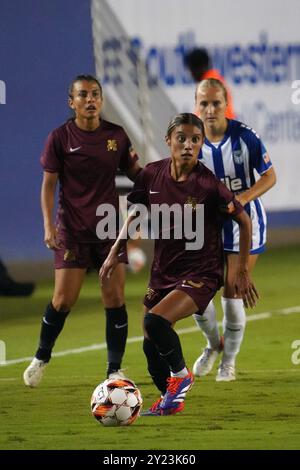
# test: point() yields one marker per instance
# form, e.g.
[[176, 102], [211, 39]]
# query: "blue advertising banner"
[[43, 45]]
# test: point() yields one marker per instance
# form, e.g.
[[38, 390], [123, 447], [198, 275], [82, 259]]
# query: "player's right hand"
[[51, 238], [108, 266]]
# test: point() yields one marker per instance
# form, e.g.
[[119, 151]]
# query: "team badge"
[[112, 145], [69, 255], [266, 158], [191, 202], [237, 156], [150, 293]]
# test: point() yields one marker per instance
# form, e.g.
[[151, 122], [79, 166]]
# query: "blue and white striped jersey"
[[233, 161]]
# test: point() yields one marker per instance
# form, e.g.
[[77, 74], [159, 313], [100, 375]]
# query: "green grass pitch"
[[261, 410]]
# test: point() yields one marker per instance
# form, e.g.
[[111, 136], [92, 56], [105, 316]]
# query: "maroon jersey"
[[172, 261], [87, 163]]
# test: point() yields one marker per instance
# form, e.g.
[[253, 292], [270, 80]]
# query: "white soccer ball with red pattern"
[[136, 259], [116, 402]]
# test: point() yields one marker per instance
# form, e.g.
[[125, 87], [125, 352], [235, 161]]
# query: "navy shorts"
[[201, 293]]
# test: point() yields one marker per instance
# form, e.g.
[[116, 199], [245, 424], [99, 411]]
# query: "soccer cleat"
[[154, 410], [118, 374], [34, 372], [173, 400], [204, 364], [226, 373]]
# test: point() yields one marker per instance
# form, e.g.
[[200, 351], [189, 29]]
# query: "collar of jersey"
[[226, 135], [190, 177]]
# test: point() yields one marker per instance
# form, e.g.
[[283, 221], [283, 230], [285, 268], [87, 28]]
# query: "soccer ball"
[[116, 402], [136, 259]]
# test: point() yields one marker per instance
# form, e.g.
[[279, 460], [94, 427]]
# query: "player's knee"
[[236, 317], [113, 296], [113, 300], [234, 311], [154, 323], [62, 303]]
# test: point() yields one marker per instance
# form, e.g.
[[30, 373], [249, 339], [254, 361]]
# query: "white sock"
[[209, 326], [182, 373], [234, 323]]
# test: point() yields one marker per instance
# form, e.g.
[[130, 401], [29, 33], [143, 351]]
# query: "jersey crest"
[[191, 202], [237, 156], [112, 145]]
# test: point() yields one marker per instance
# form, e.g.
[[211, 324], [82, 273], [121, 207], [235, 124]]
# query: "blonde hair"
[[211, 83]]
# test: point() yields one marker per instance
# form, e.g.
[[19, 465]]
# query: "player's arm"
[[137, 196], [243, 284], [265, 182], [47, 203], [133, 171], [112, 259]]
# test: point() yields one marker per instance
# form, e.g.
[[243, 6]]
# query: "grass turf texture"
[[261, 410]]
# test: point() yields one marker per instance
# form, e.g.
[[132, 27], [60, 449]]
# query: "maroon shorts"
[[83, 255], [200, 292]]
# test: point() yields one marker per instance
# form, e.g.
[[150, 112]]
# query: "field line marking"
[[137, 339]]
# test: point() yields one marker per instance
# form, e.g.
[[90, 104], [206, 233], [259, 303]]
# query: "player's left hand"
[[245, 288]]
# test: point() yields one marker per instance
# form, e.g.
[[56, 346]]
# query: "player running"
[[183, 280], [232, 151]]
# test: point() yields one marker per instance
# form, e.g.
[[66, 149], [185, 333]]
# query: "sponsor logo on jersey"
[[233, 184]]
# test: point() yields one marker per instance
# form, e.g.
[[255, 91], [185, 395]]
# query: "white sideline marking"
[[137, 339], [8, 379]]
